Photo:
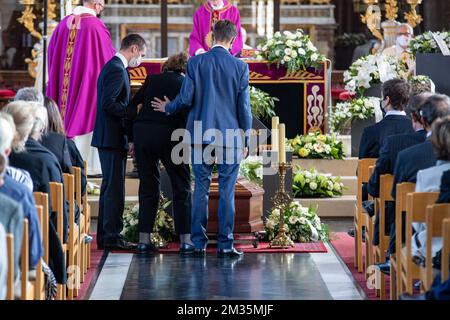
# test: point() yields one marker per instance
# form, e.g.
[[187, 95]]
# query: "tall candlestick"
[[282, 143], [275, 123]]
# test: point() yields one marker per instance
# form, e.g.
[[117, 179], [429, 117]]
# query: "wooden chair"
[[359, 218], [41, 199], [10, 275], [416, 206], [82, 223], [73, 240], [435, 216], [400, 206], [386, 182], [87, 219], [27, 287], [57, 199], [39, 282], [369, 227], [445, 254]]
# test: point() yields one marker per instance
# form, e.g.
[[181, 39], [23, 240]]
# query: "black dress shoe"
[[229, 253], [186, 248], [385, 267], [120, 244], [199, 252], [146, 248], [351, 233], [407, 296]]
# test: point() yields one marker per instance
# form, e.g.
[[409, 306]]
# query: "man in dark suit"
[[418, 157], [113, 97], [444, 195], [216, 92], [396, 96]]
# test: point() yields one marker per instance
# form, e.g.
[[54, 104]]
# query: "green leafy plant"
[[262, 104], [303, 224], [163, 230], [293, 50], [425, 42], [317, 146], [252, 169], [312, 184]]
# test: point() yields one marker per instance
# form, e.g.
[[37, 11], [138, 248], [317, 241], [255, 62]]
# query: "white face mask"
[[135, 61], [403, 41]]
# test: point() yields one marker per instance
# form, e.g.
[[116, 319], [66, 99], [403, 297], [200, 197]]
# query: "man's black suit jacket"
[[374, 135], [410, 161], [444, 196], [57, 144], [388, 155], [113, 97]]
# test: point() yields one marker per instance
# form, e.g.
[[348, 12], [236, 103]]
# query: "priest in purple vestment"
[[200, 40], [79, 48]]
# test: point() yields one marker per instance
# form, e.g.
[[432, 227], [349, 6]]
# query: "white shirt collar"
[[123, 59], [218, 7], [219, 45], [395, 113], [83, 10]]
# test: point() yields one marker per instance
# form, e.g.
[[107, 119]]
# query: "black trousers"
[[152, 143], [112, 195]]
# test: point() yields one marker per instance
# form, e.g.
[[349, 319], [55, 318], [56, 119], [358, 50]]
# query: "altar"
[[302, 95]]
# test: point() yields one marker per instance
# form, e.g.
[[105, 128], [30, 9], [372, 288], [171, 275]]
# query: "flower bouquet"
[[318, 146], [302, 224], [252, 169], [361, 108], [293, 50], [312, 184], [262, 104], [420, 84], [425, 43], [163, 231], [370, 70]]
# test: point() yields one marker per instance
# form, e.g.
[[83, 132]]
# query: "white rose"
[[277, 34], [314, 57], [286, 33], [313, 185], [293, 219], [294, 54], [277, 53], [287, 58], [301, 51], [288, 51], [289, 43]]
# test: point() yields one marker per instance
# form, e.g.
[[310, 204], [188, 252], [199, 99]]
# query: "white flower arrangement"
[[312, 184], [315, 145], [425, 42], [294, 50], [303, 224], [345, 112], [373, 69], [251, 169]]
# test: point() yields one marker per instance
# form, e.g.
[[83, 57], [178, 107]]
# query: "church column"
[[164, 29], [276, 15]]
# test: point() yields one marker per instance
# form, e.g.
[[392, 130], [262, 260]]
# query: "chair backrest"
[[78, 195], [363, 177], [41, 199], [57, 200], [86, 208], [39, 286], [10, 275], [24, 261], [445, 254], [400, 206], [386, 182], [69, 190]]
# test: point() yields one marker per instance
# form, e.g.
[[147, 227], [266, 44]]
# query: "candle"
[[282, 143], [275, 122]]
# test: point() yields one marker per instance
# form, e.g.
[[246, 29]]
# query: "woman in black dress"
[[151, 133]]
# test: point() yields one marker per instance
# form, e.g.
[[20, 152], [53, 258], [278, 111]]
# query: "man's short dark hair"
[[132, 40], [224, 31], [398, 92], [415, 104], [437, 106]]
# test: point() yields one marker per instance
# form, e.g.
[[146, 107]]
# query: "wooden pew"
[[416, 206], [87, 219], [400, 206], [10, 276], [445, 254], [73, 283], [82, 224], [27, 287], [359, 218], [41, 199], [369, 230], [57, 199], [435, 216]]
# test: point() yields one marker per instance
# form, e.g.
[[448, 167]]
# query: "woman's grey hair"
[[40, 122], [7, 131], [30, 94], [23, 116]]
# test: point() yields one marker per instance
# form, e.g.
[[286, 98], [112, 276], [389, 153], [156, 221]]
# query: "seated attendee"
[[395, 98], [404, 35], [54, 138], [39, 168], [388, 155], [439, 291], [429, 180], [11, 218], [3, 263], [444, 195], [22, 195]]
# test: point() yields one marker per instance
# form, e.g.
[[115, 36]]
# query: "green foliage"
[[262, 104], [317, 146], [312, 184]]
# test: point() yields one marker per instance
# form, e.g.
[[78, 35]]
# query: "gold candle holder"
[[281, 200]]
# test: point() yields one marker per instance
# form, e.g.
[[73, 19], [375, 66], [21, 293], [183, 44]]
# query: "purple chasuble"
[[79, 48], [203, 20]]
